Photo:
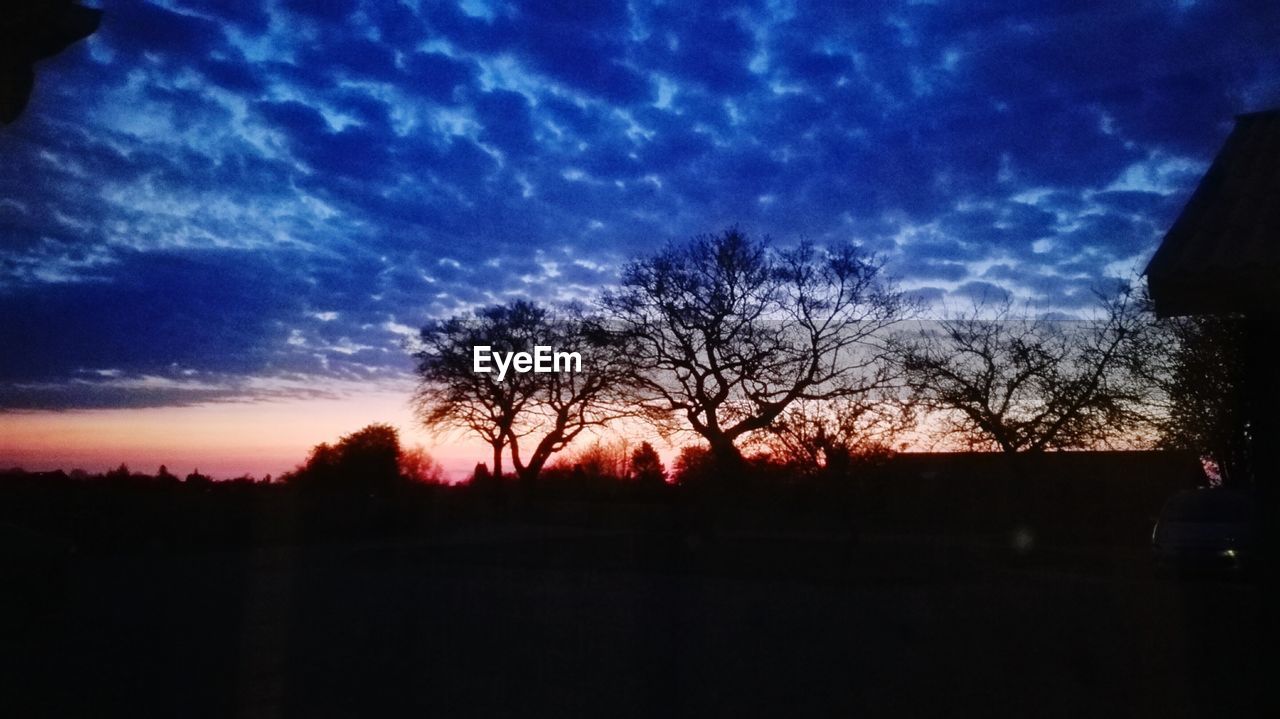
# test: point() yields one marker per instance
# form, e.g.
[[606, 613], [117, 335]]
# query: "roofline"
[[1257, 113]]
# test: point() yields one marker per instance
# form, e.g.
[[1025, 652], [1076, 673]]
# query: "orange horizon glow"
[[231, 439], [223, 439], [255, 437]]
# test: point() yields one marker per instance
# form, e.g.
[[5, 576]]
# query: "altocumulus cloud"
[[211, 201]]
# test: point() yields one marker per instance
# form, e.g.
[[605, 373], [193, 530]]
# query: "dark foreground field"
[[512, 618]]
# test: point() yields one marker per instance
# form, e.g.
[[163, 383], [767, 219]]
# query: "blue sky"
[[212, 201]]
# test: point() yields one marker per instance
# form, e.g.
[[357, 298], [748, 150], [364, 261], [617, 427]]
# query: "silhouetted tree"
[[417, 465], [452, 395], [1197, 367], [830, 437], [368, 457], [727, 332], [607, 460], [532, 415], [1022, 383], [646, 466], [693, 465], [565, 404]]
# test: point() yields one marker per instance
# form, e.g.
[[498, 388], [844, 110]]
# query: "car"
[[1207, 529]]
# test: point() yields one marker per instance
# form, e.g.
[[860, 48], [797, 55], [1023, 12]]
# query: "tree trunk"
[[541, 453], [497, 460], [530, 472], [729, 463]]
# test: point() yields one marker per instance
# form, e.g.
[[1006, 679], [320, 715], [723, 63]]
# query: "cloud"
[[982, 293], [193, 188], [206, 311]]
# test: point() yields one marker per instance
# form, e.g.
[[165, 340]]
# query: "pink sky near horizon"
[[222, 439], [257, 437], [226, 439]]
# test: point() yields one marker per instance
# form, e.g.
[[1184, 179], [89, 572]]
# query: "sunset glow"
[[222, 225], [221, 439]]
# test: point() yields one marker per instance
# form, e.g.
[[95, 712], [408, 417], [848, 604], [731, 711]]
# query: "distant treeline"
[[1063, 497]]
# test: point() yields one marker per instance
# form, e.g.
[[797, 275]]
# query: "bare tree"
[[451, 395], [563, 405], [726, 332], [548, 409], [1023, 383], [831, 436], [600, 459], [417, 465]]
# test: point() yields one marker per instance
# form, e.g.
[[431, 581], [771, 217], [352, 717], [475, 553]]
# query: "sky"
[[220, 223]]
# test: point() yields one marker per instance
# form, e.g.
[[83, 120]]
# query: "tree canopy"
[[1020, 382], [725, 332], [526, 416], [367, 457]]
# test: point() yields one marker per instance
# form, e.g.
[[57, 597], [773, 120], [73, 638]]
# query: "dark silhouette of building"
[[32, 30], [1222, 256]]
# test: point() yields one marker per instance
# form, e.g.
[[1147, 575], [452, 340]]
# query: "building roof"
[[1222, 254]]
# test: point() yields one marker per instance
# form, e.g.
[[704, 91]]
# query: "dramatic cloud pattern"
[[212, 200]]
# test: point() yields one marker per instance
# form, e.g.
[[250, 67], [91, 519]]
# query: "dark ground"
[[512, 619]]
